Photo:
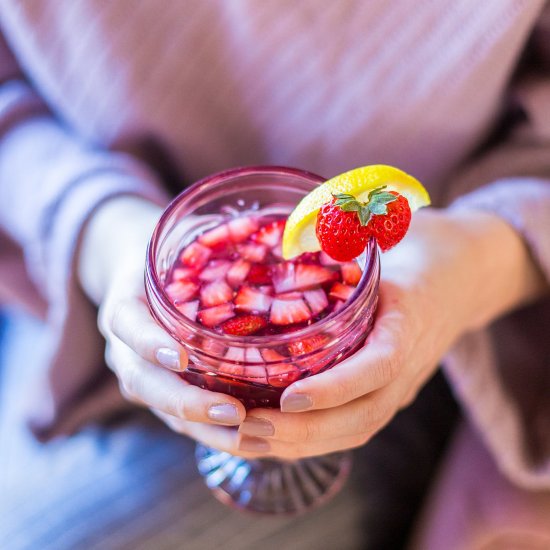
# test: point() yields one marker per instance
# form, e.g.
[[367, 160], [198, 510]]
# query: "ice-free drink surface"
[[232, 279]]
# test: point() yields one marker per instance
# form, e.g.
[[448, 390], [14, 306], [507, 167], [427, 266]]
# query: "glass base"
[[270, 486]]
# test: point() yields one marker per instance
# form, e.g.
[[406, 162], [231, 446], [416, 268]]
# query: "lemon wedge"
[[299, 235]]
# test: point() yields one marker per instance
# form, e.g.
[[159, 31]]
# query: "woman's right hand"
[[143, 356]]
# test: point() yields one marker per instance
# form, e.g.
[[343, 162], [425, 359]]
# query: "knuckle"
[[131, 382], [388, 367], [340, 391], [371, 415], [309, 431], [115, 315]]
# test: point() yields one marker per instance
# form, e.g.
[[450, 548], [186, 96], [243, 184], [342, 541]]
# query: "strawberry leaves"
[[376, 204]]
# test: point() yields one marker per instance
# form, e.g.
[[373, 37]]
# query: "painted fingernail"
[[296, 402], [224, 414], [256, 426], [169, 358], [254, 444]]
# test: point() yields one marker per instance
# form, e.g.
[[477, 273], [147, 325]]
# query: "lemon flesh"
[[299, 235]]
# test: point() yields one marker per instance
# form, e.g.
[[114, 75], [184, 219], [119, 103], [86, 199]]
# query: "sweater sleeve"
[[502, 374], [50, 183]]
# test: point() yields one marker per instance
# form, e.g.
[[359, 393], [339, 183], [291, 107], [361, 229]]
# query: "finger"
[[363, 416], [155, 387], [129, 320], [230, 441], [374, 366]]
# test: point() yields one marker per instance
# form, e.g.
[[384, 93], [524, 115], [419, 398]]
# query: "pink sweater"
[[87, 86]]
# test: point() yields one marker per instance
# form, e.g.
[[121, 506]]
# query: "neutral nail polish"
[[254, 444], [296, 402], [224, 413], [169, 358], [257, 427]]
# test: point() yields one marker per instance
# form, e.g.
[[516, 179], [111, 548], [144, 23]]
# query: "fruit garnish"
[[216, 293], [300, 236], [244, 325], [216, 315], [189, 309]]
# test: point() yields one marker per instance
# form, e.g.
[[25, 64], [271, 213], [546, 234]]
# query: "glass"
[[264, 485]]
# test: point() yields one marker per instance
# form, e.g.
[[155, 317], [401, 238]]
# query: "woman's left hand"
[[452, 272]]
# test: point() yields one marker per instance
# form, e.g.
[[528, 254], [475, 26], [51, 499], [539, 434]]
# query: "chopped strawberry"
[[316, 300], [351, 273], [216, 269], [282, 376], [241, 228], [216, 293], [309, 258], [325, 259], [189, 309], [288, 276], [277, 251], [244, 325], [215, 238], [216, 315], [290, 296], [183, 273], [237, 272], [339, 291], [195, 255], [266, 289], [253, 355], [252, 252], [252, 299], [272, 356], [181, 291], [270, 234], [235, 354], [259, 274], [338, 305], [287, 312], [307, 345]]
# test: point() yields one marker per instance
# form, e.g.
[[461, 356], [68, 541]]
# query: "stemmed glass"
[[260, 485]]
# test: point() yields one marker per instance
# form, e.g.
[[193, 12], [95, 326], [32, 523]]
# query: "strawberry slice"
[[282, 376], [237, 272], [340, 291], [270, 234], [216, 293], [307, 345], [189, 309], [325, 259], [195, 255], [287, 312], [183, 273], [272, 356], [241, 228], [253, 300], [351, 273], [290, 276], [215, 238], [216, 315], [316, 300], [252, 252], [244, 325], [338, 305], [216, 269], [259, 274], [181, 291], [277, 251], [290, 296]]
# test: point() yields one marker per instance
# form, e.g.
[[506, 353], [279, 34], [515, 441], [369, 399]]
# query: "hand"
[[452, 273], [143, 356]]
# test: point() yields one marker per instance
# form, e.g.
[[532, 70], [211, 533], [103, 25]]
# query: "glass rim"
[[243, 341]]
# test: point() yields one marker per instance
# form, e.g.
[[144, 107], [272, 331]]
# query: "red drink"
[[233, 280], [251, 323]]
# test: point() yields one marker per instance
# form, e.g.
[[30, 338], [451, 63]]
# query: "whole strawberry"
[[340, 232], [345, 224], [389, 228]]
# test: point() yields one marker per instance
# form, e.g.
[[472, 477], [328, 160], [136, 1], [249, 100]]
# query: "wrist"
[[502, 274], [114, 240]]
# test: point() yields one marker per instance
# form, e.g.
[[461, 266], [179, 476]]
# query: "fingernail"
[[256, 426], [254, 444], [296, 402], [168, 358], [224, 413]]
